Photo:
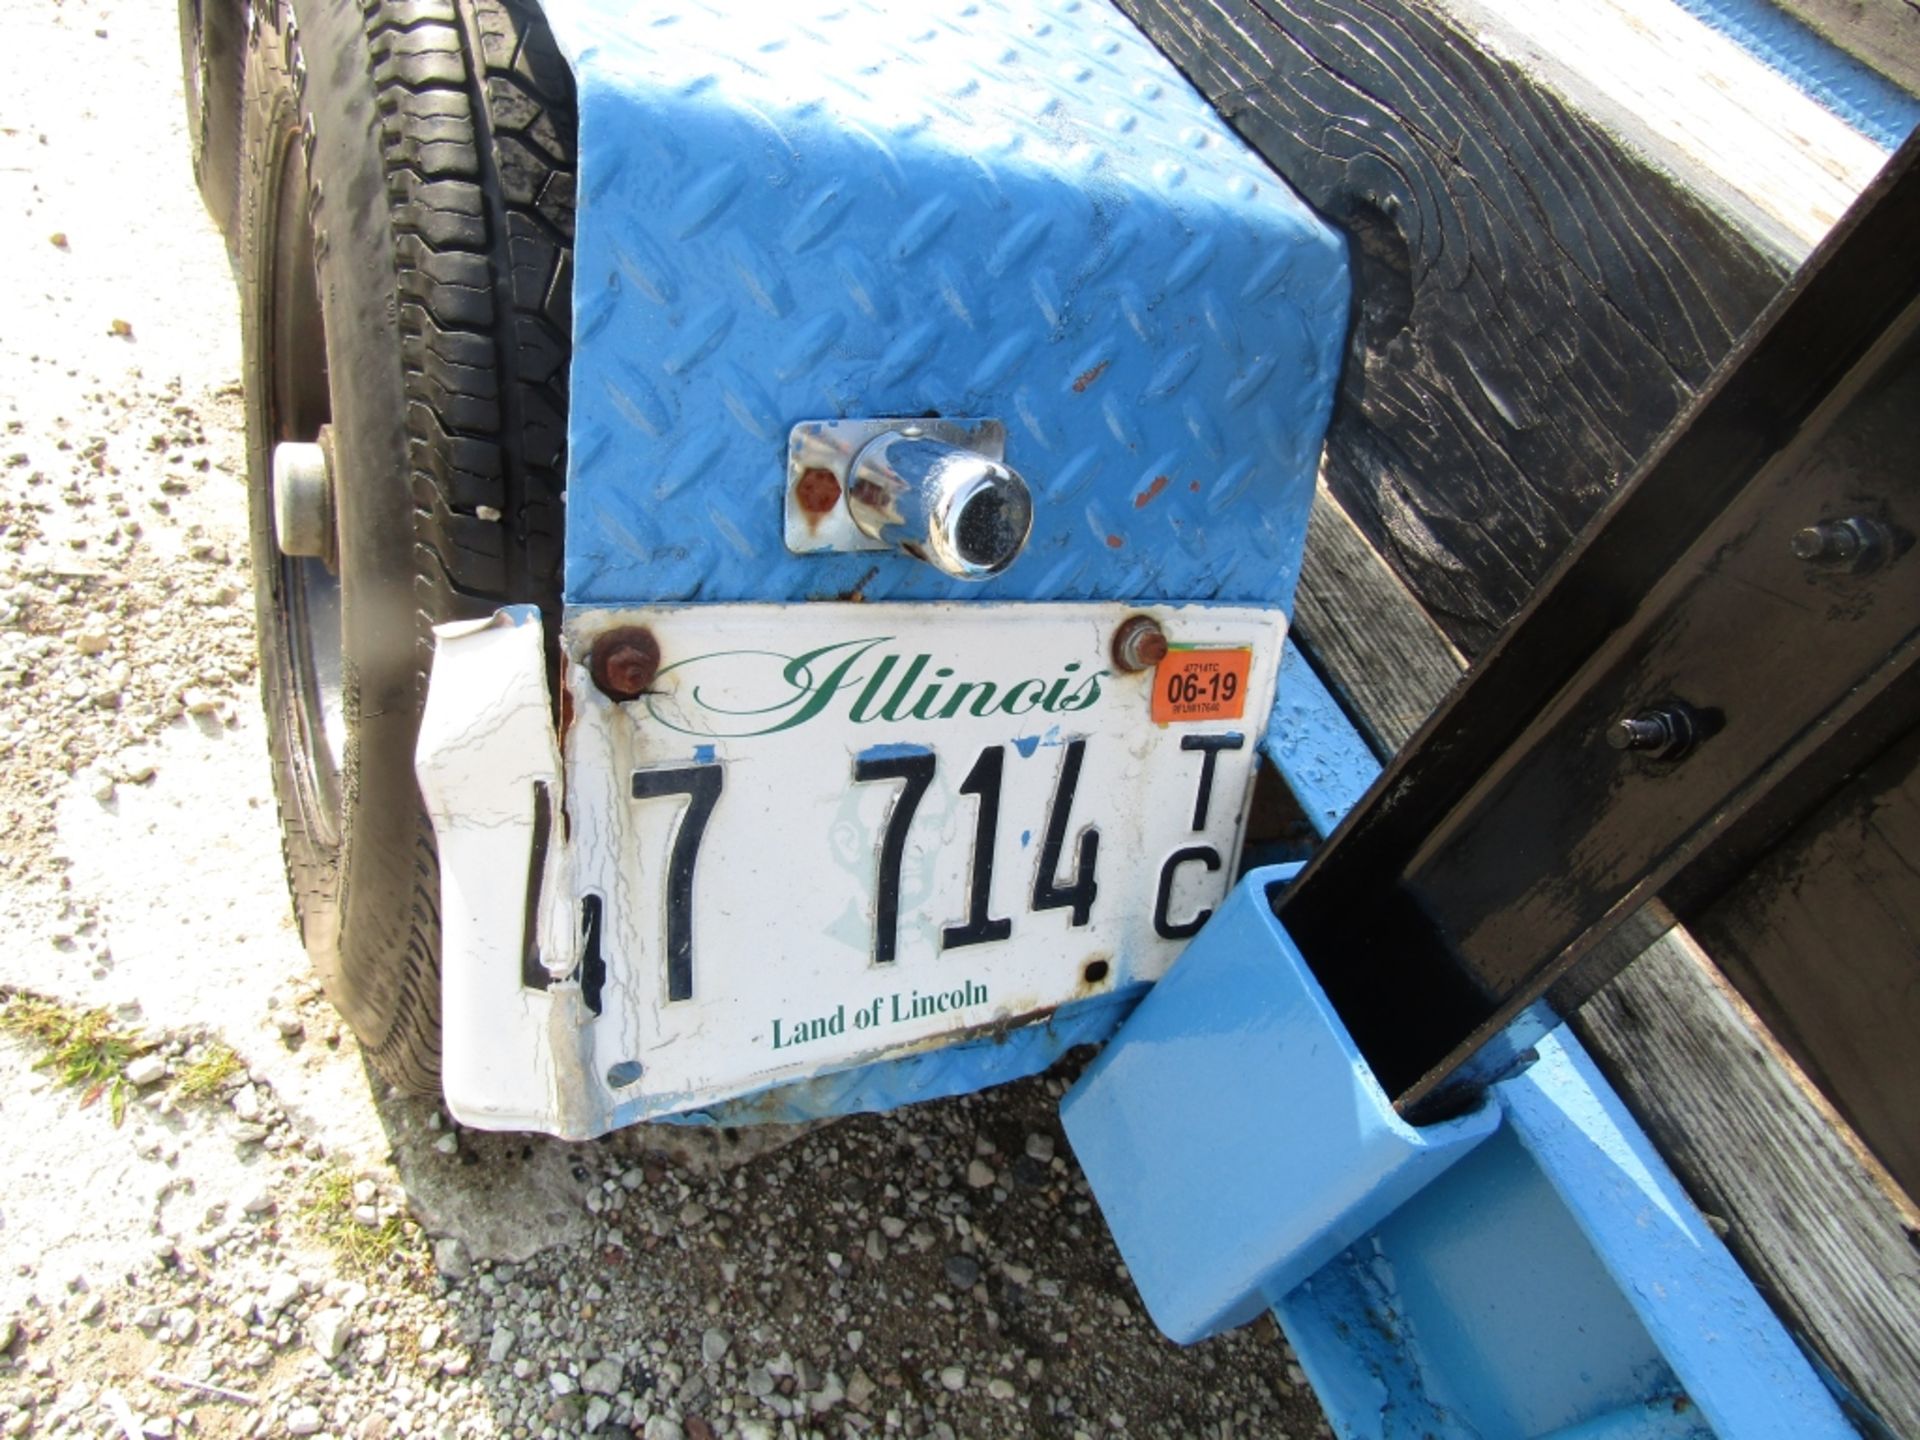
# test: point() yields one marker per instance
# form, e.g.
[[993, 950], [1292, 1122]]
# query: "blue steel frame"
[[1532, 1269]]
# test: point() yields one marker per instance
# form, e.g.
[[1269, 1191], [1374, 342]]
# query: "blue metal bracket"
[[1307, 1157], [1532, 1269]]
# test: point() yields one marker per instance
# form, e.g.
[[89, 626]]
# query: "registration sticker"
[[1201, 685]]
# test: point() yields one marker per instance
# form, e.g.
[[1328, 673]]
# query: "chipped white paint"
[[783, 702]]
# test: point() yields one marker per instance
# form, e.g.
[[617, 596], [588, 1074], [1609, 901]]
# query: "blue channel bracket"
[[1530, 1270]]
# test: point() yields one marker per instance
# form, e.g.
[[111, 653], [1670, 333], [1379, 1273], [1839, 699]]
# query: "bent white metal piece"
[[513, 1055]]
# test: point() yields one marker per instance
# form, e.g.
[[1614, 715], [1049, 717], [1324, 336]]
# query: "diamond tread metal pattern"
[[1018, 211]]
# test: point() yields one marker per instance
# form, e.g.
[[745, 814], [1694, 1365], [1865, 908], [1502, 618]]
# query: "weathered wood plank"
[[1738, 134], [1373, 645], [1805, 1208], [1822, 936], [1535, 300], [1804, 1211]]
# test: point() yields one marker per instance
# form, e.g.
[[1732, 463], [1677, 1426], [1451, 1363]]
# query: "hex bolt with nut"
[[1665, 732], [1853, 543], [1139, 644]]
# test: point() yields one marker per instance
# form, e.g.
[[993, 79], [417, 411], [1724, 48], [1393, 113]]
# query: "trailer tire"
[[405, 237], [212, 43]]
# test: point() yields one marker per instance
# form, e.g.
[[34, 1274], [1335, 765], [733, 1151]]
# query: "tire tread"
[[473, 112]]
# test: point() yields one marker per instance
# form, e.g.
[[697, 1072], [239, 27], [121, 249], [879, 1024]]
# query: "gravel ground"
[[269, 1244]]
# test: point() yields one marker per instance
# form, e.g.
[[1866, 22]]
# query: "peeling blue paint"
[[891, 751]]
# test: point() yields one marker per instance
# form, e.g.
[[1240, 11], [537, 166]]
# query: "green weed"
[[207, 1076], [85, 1049], [327, 1209]]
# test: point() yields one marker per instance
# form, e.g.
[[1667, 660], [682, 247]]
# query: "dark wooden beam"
[[1821, 938], [1534, 299]]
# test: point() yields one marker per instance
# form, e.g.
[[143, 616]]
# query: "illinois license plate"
[[832, 832]]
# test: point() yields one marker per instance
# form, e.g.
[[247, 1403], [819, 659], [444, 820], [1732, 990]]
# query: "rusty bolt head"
[[817, 490], [624, 661], [1139, 644]]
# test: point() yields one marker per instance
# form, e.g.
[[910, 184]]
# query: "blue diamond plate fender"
[[986, 209], [1011, 211]]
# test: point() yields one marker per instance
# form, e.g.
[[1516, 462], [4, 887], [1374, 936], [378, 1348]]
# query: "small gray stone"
[[714, 1345], [146, 1070], [979, 1174], [954, 1377], [860, 1388], [1040, 1146], [830, 1394], [246, 1103], [451, 1258], [282, 1291], [598, 1411], [999, 1389], [602, 1377], [659, 1427], [963, 1272], [303, 1420], [501, 1345], [562, 1383], [328, 1333], [259, 1202]]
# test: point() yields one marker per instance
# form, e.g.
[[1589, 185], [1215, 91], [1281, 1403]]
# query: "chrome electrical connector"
[[938, 490], [962, 513]]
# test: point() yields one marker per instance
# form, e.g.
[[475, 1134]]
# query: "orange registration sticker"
[[1200, 685]]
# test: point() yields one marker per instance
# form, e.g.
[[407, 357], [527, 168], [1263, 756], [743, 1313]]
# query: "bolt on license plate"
[[827, 833]]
